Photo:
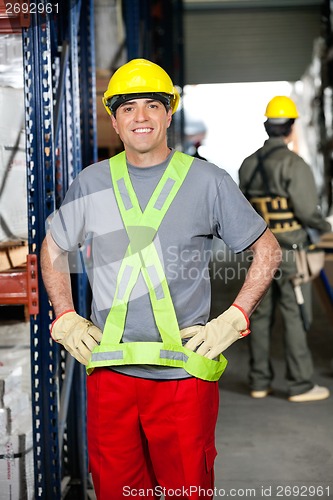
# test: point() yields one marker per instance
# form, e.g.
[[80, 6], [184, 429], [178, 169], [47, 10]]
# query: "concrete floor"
[[266, 448], [272, 447], [271, 442]]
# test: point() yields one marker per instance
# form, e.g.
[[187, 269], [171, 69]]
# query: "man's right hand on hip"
[[78, 335]]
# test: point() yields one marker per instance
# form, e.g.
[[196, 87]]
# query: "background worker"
[[150, 215], [281, 186]]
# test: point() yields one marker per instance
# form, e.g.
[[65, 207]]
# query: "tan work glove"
[[78, 335], [218, 334]]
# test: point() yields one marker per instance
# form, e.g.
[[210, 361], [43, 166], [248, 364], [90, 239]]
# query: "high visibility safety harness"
[[142, 256]]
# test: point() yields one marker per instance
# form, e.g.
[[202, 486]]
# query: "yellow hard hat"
[[140, 78], [281, 107]]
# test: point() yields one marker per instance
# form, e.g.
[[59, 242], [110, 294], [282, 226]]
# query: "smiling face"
[[142, 126]]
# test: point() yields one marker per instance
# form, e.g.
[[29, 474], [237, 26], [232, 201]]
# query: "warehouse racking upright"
[[61, 139], [60, 122]]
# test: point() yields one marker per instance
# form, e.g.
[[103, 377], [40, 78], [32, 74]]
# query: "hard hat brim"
[[118, 100], [279, 121]]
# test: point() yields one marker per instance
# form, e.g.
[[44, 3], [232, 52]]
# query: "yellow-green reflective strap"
[[170, 181], [134, 353], [141, 254]]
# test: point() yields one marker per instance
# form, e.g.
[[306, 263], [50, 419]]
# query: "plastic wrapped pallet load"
[[16, 444], [16, 466], [13, 177]]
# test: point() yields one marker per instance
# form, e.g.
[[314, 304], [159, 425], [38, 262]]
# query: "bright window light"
[[227, 119]]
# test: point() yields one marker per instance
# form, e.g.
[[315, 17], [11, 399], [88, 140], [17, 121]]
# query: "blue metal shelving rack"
[[59, 87], [59, 74]]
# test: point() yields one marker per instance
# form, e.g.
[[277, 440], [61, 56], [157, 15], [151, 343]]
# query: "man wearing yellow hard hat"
[[281, 186], [153, 359]]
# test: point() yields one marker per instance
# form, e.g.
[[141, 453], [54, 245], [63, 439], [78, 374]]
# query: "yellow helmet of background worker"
[[140, 78], [282, 108]]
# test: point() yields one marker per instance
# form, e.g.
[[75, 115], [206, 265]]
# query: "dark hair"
[[278, 129]]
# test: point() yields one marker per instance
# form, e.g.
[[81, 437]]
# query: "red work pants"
[[148, 437]]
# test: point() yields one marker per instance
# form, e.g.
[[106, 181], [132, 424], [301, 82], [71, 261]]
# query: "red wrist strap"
[[65, 312], [247, 331], [245, 315]]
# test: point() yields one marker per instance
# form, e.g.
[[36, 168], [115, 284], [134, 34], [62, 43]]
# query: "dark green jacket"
[[291, 177]]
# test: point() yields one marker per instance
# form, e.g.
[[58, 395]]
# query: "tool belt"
[[309, 262], [275, 210], [276, 213]]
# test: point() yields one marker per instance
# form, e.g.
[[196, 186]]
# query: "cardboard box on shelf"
[[13, 254], [106, 136]]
